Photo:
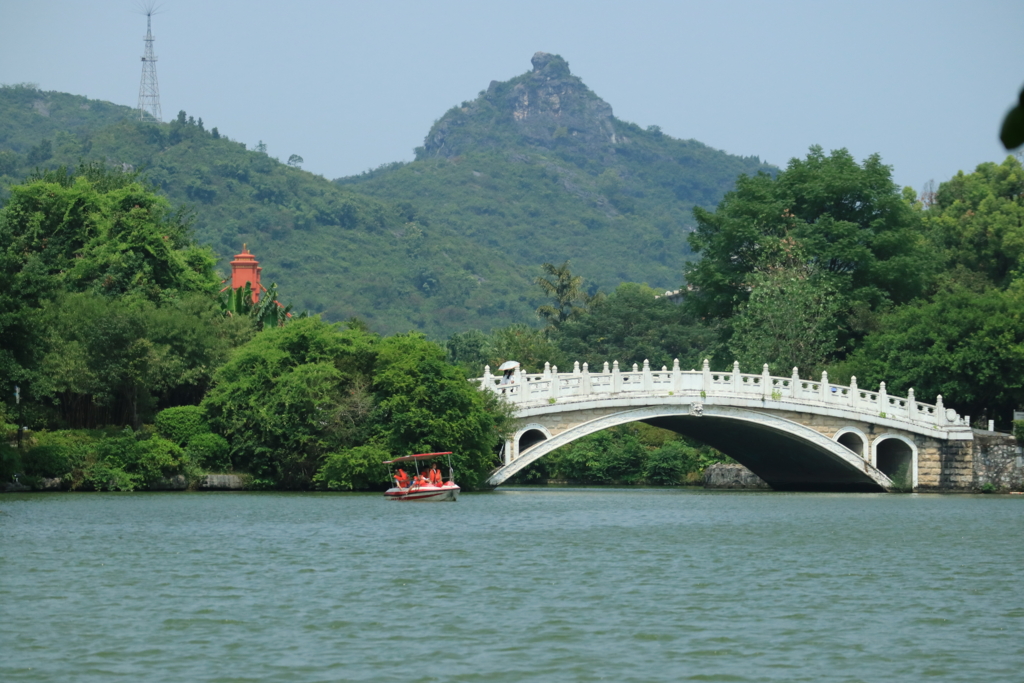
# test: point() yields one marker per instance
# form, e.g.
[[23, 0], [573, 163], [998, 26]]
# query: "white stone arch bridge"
[[794, 433]]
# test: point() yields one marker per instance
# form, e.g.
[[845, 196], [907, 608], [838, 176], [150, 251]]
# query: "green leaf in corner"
[[1012, 134]]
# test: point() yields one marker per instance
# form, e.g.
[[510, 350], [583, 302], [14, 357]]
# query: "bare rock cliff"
[[544, 107]]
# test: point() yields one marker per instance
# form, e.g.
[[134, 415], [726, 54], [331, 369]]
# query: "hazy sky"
[[352, 85]]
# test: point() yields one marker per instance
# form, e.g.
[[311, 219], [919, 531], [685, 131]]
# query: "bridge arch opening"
[[527, 436], [896, 457], [531, 437], [852, 438]]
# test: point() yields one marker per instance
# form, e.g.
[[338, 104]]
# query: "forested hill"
[[534, 170], [539, 167], [331, 250]]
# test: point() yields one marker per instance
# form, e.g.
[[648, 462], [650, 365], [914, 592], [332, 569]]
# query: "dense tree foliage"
[[977, 221], [791, 319], [965, 344], [828, 265], [964, 339], [310, 395], [634, 324], [565, 291], [848, 224], [103, 360], [103, 287]]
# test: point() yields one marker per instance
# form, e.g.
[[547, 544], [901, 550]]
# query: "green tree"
[[470, 350], [266, 312], [569, 299], [964, 344], [977, 221], [424, 404], [114, 360], [292, 395], [181, 423], [633, 324], [361, 467], [790, 319], [850, 222], [297, 402], [102, 230], [527, 345]]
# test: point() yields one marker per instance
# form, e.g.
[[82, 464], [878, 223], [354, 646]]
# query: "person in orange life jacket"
[[402, 479], [434, 475]]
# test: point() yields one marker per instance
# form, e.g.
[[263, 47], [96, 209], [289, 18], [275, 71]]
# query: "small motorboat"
[[420, 487]]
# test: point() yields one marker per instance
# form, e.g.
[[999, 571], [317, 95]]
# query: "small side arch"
[[854, 439], [527, 436], [891, 453]]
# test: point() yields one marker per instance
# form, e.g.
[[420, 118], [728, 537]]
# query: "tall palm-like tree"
[[570, 300], [267, 312]]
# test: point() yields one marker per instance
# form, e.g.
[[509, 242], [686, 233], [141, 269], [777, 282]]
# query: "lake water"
[[527, 584]]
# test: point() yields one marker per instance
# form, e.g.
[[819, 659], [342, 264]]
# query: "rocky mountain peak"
[[550, 65], [546, 107]]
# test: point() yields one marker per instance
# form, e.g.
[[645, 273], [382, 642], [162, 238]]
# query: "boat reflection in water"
[[429, 486]]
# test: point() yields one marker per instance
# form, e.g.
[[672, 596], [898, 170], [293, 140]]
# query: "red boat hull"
[[437, 494]]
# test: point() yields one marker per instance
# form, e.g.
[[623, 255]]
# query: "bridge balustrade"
[[551, 386]]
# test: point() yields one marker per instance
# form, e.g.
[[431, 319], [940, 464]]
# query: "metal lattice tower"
[[149, 89]]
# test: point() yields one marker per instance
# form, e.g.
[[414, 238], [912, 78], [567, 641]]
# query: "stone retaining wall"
[[725, 476], [222, 482], [998, 462], [210, 482]]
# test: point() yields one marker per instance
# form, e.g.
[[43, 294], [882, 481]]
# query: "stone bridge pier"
[[795, 434]]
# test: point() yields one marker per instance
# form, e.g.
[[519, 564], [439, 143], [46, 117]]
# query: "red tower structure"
[[245, 268]]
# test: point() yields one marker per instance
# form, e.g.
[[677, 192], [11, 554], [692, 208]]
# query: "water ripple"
[[580, 584]]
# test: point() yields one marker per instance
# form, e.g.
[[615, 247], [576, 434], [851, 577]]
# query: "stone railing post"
[[883, 399], [706, 369], [547, 370], [940, 410], [766, 383], [823, 388], [794, 383], [576, 368], [736, 384], [487, 382], [677, 377], [554, 381], [616, 378], [585, 386], [911, 405], [648, 379], [854, 392]]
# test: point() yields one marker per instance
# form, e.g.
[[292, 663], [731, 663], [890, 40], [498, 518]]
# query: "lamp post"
[[17, 402]]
